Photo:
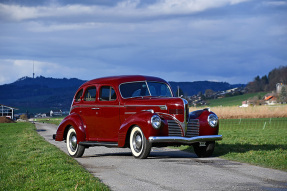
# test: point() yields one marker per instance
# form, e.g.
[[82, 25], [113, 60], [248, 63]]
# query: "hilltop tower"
[[33, 71]]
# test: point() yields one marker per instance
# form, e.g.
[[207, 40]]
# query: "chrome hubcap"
[[73, 142], [137, 143]]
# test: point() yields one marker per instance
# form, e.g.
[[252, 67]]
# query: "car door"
[[89, 112], [108, 119]]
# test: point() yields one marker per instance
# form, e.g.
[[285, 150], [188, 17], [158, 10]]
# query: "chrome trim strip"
[[94, 106], [169, 115], [186, 140], [95, 143], [130, 113], [181, 124], [162, 107]]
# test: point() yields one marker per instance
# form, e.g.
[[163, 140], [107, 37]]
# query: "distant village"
[[269, 99], [201, 99]]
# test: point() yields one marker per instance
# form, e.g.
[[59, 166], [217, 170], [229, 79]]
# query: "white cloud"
[[275, 3], [126, 10], [40, 27], [188, 6]]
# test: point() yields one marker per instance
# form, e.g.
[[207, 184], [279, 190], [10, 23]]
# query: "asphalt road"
[[168, 169]]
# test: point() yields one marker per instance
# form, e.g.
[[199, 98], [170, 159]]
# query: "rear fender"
[[141, 119], [71, 120]]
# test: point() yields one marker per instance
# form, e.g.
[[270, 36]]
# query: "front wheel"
[[139, 145], [204, 151], [74, 149]]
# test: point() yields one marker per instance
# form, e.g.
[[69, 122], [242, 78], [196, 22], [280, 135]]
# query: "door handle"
[[95, 108]]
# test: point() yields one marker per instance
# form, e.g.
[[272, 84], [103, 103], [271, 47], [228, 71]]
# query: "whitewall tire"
[[139, 145], [74, 149]]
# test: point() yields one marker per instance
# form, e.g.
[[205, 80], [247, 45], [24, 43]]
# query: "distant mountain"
[[40, 94], [48, 82], [43, 94]]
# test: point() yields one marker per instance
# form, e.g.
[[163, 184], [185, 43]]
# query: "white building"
[[7, 111]]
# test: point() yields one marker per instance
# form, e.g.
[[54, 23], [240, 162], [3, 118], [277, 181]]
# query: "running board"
[[95, 143]]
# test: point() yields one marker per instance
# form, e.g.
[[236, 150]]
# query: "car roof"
[[117, 80]]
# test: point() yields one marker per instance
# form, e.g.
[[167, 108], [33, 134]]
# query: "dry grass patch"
[[235, 112]]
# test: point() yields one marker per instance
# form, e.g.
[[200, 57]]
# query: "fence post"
[[264, 125]]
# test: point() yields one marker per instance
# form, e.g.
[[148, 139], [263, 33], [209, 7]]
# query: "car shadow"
[[118, 154], [220, 150], [155, 154], [223, 149]]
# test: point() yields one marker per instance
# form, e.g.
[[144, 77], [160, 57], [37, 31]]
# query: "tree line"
[[268, 83]]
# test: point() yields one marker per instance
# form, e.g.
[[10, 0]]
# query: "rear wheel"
[[140, 146], [204, 151], [74, 149]]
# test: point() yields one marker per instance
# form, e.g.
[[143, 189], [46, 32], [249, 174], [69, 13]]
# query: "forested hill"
[[40, 94], [268, 82], [47, 82], [43, 94]]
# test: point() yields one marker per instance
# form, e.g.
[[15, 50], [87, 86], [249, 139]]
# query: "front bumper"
[[184, 140]]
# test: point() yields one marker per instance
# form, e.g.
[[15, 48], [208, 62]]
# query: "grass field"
[[28, 162], [260, 142], [235, 100]]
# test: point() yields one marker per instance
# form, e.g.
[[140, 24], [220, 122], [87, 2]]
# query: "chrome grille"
[[173, 128], [192, 128]]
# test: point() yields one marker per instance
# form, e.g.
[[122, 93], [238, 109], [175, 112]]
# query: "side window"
[[90, 94], [79, 95], [107, 93]]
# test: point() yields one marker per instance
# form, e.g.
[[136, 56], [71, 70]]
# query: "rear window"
[[107, 93], [79, 95], [90, 94]]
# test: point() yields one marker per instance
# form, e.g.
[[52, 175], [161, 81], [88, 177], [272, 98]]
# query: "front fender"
[[71, 120], [205, 128], [141, 119]]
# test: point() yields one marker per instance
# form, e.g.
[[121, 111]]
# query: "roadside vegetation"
[[52, 120], [254, 135], [28, 162], [261, 142]]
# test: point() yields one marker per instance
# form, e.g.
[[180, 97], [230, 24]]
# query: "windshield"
[[140, 89]]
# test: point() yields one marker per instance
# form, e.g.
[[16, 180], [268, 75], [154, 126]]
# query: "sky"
[[178, 40]]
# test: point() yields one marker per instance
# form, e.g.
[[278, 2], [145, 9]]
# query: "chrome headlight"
[[156, 121], [212, 120]]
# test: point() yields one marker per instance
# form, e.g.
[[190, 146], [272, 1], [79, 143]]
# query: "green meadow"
[[261, 142], [28, 162]]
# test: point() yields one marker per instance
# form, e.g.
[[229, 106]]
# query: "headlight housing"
[[156, 121], [212, 120]]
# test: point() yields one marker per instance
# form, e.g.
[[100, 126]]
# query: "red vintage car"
[[136, 112]]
